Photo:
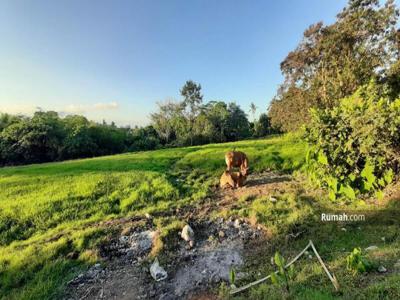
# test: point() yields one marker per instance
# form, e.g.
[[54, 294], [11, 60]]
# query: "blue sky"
[[114, 60]]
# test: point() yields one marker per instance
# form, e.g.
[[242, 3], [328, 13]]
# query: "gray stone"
[[124, 239], [382, 269], [141, 242]]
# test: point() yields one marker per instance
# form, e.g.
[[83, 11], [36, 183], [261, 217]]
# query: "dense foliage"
[[47, 137], [356, 145], [332, 61]]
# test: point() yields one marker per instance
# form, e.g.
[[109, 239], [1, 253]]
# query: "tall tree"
[[163, 120], [192, 100], [218, 115], [238, 125], [253, 110]]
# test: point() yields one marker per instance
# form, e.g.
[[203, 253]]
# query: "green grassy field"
[[48, 211]]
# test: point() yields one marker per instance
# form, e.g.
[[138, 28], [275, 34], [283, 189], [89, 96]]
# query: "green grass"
[[48, 211], [299, 211]]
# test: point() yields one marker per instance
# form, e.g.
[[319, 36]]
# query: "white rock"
[[237, 223], [344, 229], [371, 248], [187, 233], [383, 239], [382, 269], [272, 199], [157, 272]]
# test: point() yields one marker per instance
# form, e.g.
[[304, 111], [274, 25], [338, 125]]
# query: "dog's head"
[[244, 171]]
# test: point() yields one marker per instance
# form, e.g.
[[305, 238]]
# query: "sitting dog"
[[237, 159], [232, 180]]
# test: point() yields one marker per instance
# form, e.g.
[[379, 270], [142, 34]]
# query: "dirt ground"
[[193, 273]]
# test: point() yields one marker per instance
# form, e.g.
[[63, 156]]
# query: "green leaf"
[[352, 177], [291, 271], [332, 195], [367, 185], [368, 174], [347, 191], [382, 182], [388, 176], [232, 276], [322, 158], [274, 278], [379, 194], [332, 183], [279, 260]]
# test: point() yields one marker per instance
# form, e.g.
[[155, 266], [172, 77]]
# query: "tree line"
[[46, 136], [192, 122]]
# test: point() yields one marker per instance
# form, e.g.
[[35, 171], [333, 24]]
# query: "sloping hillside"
[[58, 220], [49, 212]]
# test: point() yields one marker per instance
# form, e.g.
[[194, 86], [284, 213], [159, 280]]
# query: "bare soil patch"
[[192, 273]]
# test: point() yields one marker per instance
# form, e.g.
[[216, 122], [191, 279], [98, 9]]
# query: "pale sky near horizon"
[[114, 60]]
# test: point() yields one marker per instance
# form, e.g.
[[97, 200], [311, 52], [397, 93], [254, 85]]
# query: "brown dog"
[[237, 159], [231, 180]]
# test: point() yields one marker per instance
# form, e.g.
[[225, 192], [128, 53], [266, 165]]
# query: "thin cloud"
[[106, 106], [75, 109], [28, 110], [19, 109]]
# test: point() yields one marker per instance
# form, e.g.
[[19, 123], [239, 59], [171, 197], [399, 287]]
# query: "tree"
[[253, 110], [7, 119], [32, 140], [191, 93], [237, 123], [164, 120], [143, 138], [218, 115], [263, 126], [331, 62], [78, 142]]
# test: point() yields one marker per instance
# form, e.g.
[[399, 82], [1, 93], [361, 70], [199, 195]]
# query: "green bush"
[[356, 262], [355, 147]]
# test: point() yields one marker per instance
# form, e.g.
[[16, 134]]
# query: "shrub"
[[355, 147], [357, 263]]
